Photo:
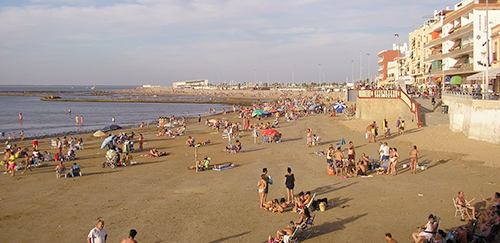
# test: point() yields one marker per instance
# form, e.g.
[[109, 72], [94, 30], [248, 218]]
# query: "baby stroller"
[[112, 159]]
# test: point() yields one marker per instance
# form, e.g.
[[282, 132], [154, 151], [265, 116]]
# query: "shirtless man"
[[361, 168], [131, 237], [338, 156], [414, 159], [350, 152], [465, 205], [309, 137], [5, 160]]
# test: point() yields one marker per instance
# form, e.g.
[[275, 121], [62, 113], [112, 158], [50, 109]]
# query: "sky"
[[158, 42]]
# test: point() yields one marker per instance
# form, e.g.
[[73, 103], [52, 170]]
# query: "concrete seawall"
[[379, 109], [477, 119]]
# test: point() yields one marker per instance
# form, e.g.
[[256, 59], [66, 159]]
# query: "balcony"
[[459, 32], [436, 71], [434, 57], [460, 52], [435, 42], [464, 68]]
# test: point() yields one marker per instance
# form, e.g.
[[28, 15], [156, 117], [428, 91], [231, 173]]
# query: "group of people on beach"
[[99, 234]]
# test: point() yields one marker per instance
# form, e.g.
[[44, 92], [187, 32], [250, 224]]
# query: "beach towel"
[[225, 168]]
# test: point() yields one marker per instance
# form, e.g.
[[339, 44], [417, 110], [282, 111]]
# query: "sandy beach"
[[166, 202]]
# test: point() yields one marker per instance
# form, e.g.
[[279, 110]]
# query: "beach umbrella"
[[111, 128], [300, 108], [99, 133], [257, 113], [270, 132], [266, 112], [339, 107], [169, 125], [280, 109], [107, 140], [293, 108], [267, 108], [273, 111], [246, 111], [212, 120]]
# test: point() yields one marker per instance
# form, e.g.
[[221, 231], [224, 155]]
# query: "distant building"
[[191, 84], [385, 57]]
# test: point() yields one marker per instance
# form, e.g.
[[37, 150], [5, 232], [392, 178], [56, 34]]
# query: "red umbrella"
[[273, 111], [246, 111], [270, 132]]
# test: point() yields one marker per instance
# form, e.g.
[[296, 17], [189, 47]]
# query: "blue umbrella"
[[107, 140], [266, 112], [339, 107], [280, 109]]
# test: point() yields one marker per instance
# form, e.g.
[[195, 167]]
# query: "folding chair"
[[459, 211], [310, 202]]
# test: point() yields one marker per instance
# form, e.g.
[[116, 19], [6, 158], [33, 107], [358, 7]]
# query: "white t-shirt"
[[97, 236], [386, 150]]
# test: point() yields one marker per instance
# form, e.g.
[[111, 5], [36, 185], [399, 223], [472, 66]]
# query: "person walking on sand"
[[309, 137], [141, 142], [98, 234], [131, 237], [414, 159], [290, 184]]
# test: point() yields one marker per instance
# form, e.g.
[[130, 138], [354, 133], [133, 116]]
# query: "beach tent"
[[99, 134], [111, 128], [339, 107]]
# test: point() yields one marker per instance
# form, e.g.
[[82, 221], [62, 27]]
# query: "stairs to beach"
[[429, 116]]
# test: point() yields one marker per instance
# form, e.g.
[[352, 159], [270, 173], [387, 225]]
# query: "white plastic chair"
[[459, 211]]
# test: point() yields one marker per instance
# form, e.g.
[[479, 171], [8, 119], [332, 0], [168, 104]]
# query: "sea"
[[47, 118]]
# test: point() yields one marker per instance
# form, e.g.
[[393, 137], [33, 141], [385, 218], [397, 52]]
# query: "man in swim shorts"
[[338, 161]]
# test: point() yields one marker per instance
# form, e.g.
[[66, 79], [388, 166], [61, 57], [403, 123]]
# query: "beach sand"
[[166, 202]]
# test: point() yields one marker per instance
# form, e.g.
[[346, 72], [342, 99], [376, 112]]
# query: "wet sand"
[[166, 202]]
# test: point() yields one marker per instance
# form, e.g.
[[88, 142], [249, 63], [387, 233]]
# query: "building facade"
[[457, 46], [385, 57], [191, 84]]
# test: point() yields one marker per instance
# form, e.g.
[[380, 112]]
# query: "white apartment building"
[[457, 44]]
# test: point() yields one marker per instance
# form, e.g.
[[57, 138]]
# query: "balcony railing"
[[459, 52], [437, 41], [464, 68], [434, 57], [459, 32]]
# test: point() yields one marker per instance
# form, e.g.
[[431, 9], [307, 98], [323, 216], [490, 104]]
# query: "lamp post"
[[352, 71], [399, 55], [255, 78], [487, 80], [360, 65], [293, 75], [319, 79], [369, 77]]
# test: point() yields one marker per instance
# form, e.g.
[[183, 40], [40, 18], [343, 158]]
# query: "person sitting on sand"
[[273, 206], [190, 142], [427, 233], [389, 239], [286, 231], [465, 205], [156, 153], [304, 216], [361, 168], [60, 170]]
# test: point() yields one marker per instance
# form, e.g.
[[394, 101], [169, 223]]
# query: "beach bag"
[[270, 180], [342, 141], [331, 171]]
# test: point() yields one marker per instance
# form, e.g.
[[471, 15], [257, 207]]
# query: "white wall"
[[477, 119]]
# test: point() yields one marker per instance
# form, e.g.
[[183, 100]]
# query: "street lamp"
[[293, 75], [360, 65], [319, 79], [369, 76], [352, 71]]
